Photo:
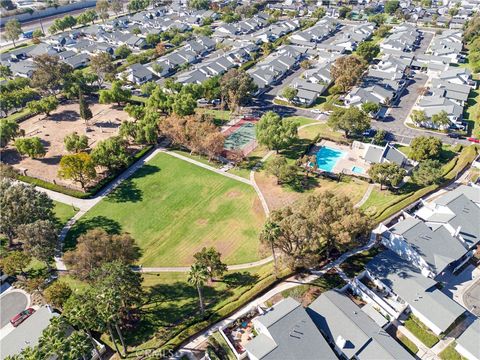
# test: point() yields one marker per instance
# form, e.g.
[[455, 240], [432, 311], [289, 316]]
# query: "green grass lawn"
[[220, 117], [199, 158], [322, 130], [173, 208], [63, 212], [227, 353], [408, 344], [421, 332], [450, 353]]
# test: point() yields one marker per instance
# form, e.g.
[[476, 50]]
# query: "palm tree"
[[80, 311], [108, 305], [197, 276], [270, 233], [54, 338], [79, 345]]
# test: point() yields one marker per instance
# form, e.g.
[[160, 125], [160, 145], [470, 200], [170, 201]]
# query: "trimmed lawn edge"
[[408, 344]]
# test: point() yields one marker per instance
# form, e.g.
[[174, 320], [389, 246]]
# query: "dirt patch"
[[202, 222], [233, 194], [52, 130]]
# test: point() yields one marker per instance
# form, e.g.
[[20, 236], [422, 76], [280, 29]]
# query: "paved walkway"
[[284, 285], [365, 196]]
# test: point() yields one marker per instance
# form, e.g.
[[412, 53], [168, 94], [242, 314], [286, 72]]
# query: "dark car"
[[454, 136], [369, 133], [21, 317]]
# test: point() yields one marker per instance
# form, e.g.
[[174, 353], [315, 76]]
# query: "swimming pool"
[[358, 170], [328, 157]]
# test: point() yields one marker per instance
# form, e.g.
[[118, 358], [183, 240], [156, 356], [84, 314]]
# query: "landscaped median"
[[421, 332], [383, 204]]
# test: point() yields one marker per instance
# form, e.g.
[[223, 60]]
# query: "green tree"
[[197, 276], [389, 174], [236, 88], [418, 117], [440, 119], [15, 262], [370, 107], [148, 87], [379, 137], [21, 204], [344, 12], [198, 4], [184, 104], [39, 240], [268, 235], [211, 88], [87, 17], [351, 120], [425, 147], [122, 51], [13, 30], [115, 95], [50, 73], [289, 93], [75, 143], [44, 106], [58, 293], [137, 5], [368, 50], [31, 147], [427, 173], [111, 153], [5, 71], [279, 167], [391, 6], [319, 12], [382, 31], [377, 19], [79, 82], [347, 71], [8, 131], [80, 311], [85, 112], [102, 65], [211, 260], [77, 167], [275, 132]]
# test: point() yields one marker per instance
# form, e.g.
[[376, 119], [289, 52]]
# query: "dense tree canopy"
[[389, 174], [236, 88], [347, 70], [425, 147], [276, 133], [351, 120]]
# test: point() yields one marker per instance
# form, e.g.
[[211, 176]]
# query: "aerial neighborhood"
[[218, 179]]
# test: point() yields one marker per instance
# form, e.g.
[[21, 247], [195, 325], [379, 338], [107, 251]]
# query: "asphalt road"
[[10, 305], [471, 299]]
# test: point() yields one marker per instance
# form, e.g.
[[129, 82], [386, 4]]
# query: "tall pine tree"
[[85, 112]]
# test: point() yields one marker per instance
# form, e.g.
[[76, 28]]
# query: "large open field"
[[173, 208]]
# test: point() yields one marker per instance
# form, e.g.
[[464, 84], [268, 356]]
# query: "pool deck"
[[345, 164]]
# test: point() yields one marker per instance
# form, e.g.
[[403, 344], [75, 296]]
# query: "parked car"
[[454, 136], [202, 102], [316, 111], [474, 140], [370, 133], [21, 317], [216, 102]]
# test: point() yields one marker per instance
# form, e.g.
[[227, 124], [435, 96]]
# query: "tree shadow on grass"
[[239, 279], [168, 306], [109, 225], [126, 192]]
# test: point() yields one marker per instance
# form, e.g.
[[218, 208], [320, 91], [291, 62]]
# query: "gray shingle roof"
[[437, 247], [417, 290], [469, 340], [339, 318], [293, 335]]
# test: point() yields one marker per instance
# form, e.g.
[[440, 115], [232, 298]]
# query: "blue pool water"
[[327, 158], [358, 170]]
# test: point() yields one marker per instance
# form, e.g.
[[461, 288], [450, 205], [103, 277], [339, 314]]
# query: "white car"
[[316, 111]]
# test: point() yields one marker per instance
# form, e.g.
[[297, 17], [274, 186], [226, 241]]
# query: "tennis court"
[[240, 137]]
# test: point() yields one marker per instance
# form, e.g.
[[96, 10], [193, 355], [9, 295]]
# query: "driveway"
[[11, 304]]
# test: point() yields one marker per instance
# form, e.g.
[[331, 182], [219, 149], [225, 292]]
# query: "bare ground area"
[[278, 196], [53, 129]]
